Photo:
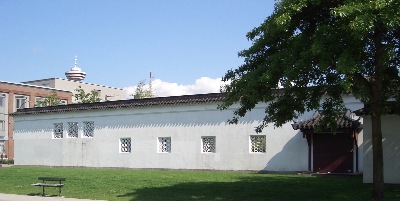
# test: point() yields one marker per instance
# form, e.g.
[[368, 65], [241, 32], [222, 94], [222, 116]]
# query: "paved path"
[[12, 197], [6, 165]]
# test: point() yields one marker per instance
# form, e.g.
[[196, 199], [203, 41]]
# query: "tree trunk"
[[378, 181], [376, 116]]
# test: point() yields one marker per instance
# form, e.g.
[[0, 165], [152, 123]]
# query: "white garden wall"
[[286, 149], [391, 149]]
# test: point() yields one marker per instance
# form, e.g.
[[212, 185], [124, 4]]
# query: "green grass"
[[123, 184]]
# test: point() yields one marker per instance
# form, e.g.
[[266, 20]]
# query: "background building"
[[105, 93], [15, 96], [75, 76]]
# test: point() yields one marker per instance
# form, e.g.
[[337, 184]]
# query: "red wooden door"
[[333, 153]]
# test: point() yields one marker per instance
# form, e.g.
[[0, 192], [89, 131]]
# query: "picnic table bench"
[[50, 182]]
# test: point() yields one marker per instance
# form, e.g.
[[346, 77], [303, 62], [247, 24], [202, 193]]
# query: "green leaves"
[[317, 50], [365, 14], [141, 92], [51, 100], [313, 50], [82, 97]]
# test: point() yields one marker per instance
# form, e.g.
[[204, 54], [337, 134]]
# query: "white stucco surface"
[[391, 149], [286, 149], [34, 144]]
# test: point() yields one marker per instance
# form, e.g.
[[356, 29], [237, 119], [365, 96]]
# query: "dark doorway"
[[333, 153]]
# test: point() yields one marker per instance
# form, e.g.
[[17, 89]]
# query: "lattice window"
[[88, 129], [125, 145], [164, 144], [73, 129], [208, 144], [58, 130], [258, 143]]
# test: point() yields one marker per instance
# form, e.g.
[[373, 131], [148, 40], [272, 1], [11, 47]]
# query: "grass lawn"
[[123, 184]]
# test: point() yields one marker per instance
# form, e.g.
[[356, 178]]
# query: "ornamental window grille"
[[164, 144], [258, 143], [125, 145], [208, 144], [73, 129], [88, 129], [58, 130]]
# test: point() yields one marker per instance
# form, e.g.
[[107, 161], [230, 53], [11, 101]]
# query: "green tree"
[[51, 100], [142, 92], [82, 97], [316, 49]]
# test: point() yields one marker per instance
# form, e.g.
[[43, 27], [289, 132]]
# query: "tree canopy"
[[82, 97], [142, 92], [51, 100], [313, 49]]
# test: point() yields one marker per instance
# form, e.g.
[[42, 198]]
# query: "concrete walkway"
[[12, 197]]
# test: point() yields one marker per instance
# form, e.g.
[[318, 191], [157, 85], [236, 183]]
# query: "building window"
[[58, 131], [63, 102], [20, 102], [164, 144], [2, 100], [88, 129], [98, 92], [2, 127], [73, 129], [39, 102], [208, 144], [258, 143], [3, 107], [125, 145], [2, 150]]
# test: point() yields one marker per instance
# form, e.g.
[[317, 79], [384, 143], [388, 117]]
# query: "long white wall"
[[34, 145], [286, 149], [391, 149]]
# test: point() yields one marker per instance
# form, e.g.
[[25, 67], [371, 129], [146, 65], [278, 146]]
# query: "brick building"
[[14, 96]]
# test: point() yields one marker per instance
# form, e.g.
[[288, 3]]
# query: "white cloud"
[[202, 85]]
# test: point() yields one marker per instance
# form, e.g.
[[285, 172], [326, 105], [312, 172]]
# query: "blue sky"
[[119, 42]]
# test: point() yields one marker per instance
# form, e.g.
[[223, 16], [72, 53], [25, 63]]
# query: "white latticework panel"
[[125, 144], [58, 130], [73, 129], [164, 144], [257, 143], [88, 129], [208, 144]]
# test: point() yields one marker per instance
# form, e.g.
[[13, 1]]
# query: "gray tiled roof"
[[133, 103], [344, 122]]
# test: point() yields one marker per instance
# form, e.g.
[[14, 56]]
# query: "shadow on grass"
[[41, 195], [274, 188]]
